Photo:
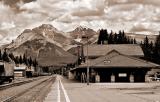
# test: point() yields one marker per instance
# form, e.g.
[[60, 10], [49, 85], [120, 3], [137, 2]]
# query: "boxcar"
[[6, 72]]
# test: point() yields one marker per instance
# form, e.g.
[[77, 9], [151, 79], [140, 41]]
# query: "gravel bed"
[[9, 92]]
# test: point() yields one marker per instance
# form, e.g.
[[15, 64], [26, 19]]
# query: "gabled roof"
[[57, 61], [101, 50], [118, 60]]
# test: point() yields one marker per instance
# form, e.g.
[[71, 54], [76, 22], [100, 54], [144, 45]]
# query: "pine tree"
[[123, 37], [0, 55], [150, 48], [115, 38], [20, 59], [156, 51], [5, 56], [128, 40], [11, 56], [110, 39], [146, 42], [30, 61], [100, 37], [105, 36], [131, 41], [146, 49], [25, 59], [35, 63], [16, 60], [135, 42], [119, 41]]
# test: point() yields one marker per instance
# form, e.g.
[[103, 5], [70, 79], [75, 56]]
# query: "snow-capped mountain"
[[82, 34], [46, 32]]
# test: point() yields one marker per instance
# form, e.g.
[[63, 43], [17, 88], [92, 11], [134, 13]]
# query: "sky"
[[138, 16]]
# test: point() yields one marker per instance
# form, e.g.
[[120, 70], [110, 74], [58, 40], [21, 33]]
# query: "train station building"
[[114, 63]]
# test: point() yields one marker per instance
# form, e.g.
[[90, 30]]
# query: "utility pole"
[[87, 64]]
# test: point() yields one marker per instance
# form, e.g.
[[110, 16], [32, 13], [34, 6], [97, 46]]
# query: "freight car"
[[6, 72]]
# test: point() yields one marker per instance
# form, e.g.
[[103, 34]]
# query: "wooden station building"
[[114, 63]]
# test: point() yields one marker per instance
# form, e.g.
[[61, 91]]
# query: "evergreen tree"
[[131, 41], [115, 38], [128, 40], [156, 51], [120, 38], [146, 42], [125, 40], [100, 37], [157, 43], [0, 55], [11, 56], [30, 61], [5, 56], [119, 41], [110, 39], [16, 60], [145, 48], [24, 59], [20, 59], [35, 63], [105, 36], [150, 48], [123, 37], [135, 42]]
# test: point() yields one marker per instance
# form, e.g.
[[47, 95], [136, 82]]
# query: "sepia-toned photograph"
[[79, 50]]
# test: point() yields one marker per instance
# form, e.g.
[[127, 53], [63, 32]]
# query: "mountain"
[[47, 54], [44, 43], [80, 34], [46, 32]]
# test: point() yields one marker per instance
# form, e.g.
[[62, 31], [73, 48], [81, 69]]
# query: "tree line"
[[151, 50], [114, 38], [7, 57]]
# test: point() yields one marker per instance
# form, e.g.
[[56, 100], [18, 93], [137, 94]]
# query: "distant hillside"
[[46, 53], [140, 37]]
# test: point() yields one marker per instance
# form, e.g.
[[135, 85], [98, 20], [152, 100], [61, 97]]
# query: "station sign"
[[122, 74]]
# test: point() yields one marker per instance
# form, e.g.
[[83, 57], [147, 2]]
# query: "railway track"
[[35, 92], [5, 86]]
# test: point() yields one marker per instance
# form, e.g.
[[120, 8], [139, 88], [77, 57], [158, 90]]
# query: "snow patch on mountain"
[[46, 32]]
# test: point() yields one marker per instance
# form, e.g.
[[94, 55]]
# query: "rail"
[[11, 98], [3, 87]]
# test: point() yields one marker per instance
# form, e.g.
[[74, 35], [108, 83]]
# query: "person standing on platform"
[[83, 77]]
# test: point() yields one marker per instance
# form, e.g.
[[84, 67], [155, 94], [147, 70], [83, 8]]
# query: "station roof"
[[57, 61], [101, 50], [118, 60]]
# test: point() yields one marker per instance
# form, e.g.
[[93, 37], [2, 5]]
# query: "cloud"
[[65, 15], [145, 27]]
